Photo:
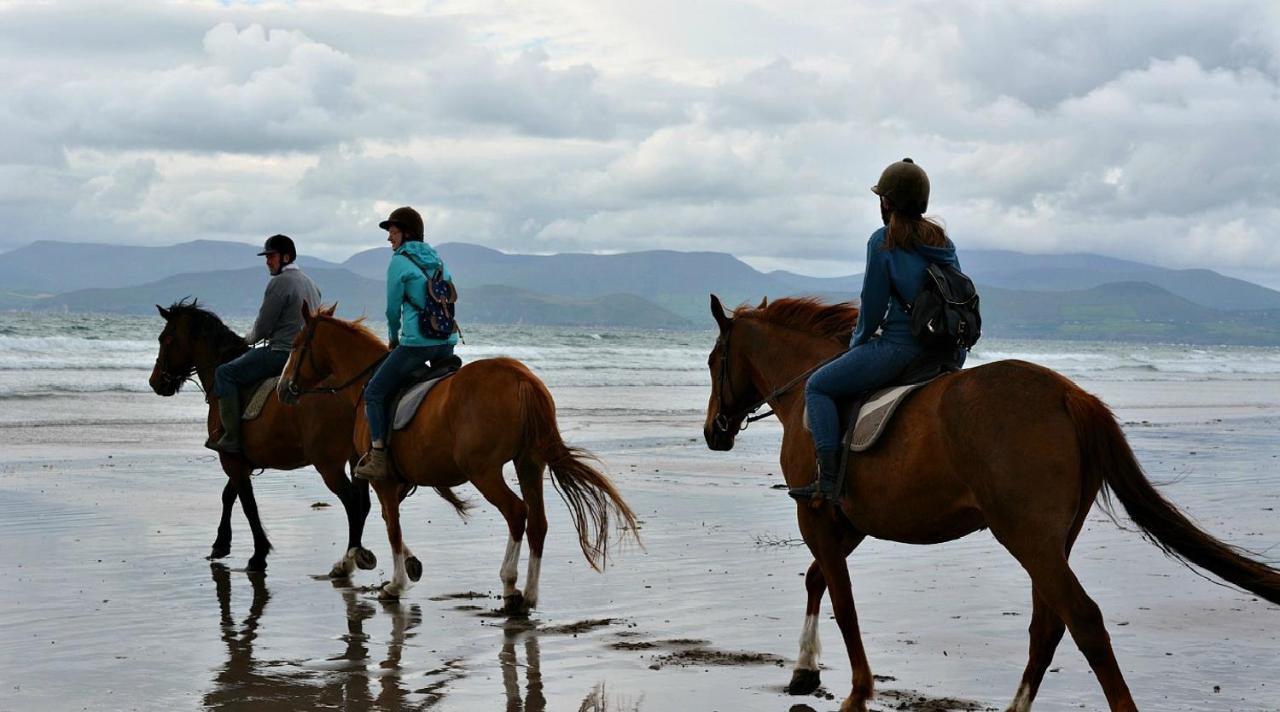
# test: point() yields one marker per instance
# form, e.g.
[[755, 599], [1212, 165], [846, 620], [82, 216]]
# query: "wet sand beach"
[[106, 602]]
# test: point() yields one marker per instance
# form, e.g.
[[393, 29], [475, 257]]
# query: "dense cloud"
[[1142, 131]]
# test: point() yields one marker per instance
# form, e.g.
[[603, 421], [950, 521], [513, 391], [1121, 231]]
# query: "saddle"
[[864, 417], [405, 402], [255, 397]]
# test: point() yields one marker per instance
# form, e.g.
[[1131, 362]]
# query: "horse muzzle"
[[719, 435]]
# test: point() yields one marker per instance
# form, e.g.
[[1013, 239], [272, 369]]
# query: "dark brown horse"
[[193, 343], [489, 413], [1009, 446]]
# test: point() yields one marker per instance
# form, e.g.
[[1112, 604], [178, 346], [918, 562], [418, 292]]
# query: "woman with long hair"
[[897, 256]]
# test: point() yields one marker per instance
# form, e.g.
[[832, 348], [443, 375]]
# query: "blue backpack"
[[436, 317]]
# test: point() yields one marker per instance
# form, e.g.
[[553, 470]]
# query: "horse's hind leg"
[[357, 509], [1057, 585], [222, 544], [1046, 631], [495, 489], [530, 474]]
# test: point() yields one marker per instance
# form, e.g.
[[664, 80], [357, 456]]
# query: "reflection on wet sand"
[[531, 698], [599, 700], [345, 681]]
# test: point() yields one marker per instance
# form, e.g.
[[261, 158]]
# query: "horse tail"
[[461, 506], [592, 499], [1105, 450]]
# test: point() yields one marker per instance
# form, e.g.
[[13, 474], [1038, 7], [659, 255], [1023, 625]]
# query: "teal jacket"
[[406, 283]]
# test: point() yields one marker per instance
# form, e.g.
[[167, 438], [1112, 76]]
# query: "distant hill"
[[677, 281], [1013, 270], [239, 293], [53, 266], [1043, 296], [1123, 311]]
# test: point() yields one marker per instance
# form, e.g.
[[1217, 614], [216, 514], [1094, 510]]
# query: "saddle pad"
[[408, 404], [259, 399], [875, 414]]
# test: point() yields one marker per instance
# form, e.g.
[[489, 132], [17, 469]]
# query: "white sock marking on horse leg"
[[510, 562], [1022, 702], [810, 648], [345, 566], [400, 582], [531, 581]]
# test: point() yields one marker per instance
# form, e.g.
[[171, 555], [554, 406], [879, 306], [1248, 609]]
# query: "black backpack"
[[436, 317], [945, 313]]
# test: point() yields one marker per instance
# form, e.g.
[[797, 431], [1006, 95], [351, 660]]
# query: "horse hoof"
[[365, 559], [386, 593], [413, 567], [339, 571], [218, 552], [514, 605], [803, 682], [852, 705], [256, 564]]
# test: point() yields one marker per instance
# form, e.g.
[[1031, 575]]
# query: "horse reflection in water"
[[530, 698], [349, 680]]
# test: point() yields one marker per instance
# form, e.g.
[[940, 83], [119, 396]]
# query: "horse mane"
[[207, 325], [808, 314], [356, 326]]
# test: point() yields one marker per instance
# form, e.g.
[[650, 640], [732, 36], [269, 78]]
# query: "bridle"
[[722, 422], [174, 379], [292, 386]]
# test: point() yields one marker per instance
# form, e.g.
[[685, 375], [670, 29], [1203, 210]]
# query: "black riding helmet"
[[279, 245], [409, 222]]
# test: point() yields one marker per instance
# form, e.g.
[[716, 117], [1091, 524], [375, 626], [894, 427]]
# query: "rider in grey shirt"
[[279, 320]]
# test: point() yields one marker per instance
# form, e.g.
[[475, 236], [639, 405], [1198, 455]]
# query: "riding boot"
[[229, 411], [373, 466], [824, 485]]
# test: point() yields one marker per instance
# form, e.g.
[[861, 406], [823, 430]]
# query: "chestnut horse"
[[1009, 446], [489, 413], [193, 343]]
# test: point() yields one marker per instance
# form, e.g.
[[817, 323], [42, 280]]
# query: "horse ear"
[[330, 310], [717, 311], [163, 312], [764, 302], [306, 311]]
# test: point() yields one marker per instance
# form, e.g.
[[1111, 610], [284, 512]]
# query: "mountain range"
[[1027, 296]]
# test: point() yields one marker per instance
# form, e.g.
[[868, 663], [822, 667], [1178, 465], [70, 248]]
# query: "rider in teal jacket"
[[407, 287], [412, 262]]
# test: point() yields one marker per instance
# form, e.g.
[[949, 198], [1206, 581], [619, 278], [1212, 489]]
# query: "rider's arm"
[[273, 302], [875, 293], [395, 297]]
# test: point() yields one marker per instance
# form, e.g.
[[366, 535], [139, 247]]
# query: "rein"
[[292, 387], [722, 421]]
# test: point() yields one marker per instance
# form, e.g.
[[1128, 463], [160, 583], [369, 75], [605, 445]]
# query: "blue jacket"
[[905, 270], [405, 283]]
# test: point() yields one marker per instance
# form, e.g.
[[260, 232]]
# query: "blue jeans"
[[390, 374], [247, 369], [863, 368]]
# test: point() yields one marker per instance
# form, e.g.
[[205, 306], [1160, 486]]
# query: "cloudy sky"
[[1142, 130]]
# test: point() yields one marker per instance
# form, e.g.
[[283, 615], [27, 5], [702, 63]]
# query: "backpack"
[[945, 313], [436, 317]]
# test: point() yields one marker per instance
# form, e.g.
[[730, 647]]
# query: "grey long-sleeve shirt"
[[280, 318]]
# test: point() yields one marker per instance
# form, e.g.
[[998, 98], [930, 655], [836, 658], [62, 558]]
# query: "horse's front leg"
[[830, 548], [805, 678], [239, 470], [222, 543], [355, 502], [406, 567]]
